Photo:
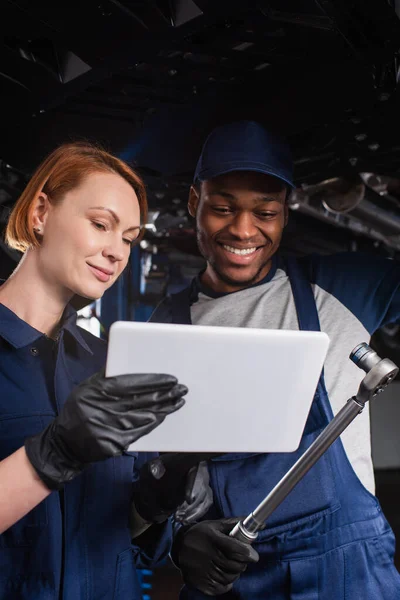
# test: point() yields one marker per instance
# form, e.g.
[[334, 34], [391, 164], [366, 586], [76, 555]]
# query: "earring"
[[37, 229]]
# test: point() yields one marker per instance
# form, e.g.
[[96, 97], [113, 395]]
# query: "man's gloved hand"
[[171, 483], [209, 559], [198, 497], [100, 419]]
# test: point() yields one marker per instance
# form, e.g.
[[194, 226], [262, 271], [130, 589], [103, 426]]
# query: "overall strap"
[[307, 313]]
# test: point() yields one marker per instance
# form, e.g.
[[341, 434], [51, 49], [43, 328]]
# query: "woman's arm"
[[21, 489]]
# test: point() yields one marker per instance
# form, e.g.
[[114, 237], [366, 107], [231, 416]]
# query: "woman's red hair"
[[63, 170]]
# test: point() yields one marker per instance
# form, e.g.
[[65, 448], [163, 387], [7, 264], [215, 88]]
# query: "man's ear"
[[193, 203], [286, 213], [40, 212]]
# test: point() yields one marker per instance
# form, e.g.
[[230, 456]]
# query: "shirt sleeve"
[[368, 285]]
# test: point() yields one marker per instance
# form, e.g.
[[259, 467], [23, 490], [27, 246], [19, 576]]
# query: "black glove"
[[170, 482], [199, 496], [209, 559], [100, 419]]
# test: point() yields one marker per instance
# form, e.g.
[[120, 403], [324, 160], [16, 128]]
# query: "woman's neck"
[[33, 298]]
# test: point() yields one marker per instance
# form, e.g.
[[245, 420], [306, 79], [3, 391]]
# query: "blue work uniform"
[[75, 545], [328, 539]]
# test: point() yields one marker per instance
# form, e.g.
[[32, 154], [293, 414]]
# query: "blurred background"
[[149, 79]]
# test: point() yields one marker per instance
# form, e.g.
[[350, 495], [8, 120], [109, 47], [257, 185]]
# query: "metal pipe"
[[369, 212], [341, 197], [379, 373], [255, 521]]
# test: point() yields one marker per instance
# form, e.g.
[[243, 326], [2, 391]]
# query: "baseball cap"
[[244, 146]]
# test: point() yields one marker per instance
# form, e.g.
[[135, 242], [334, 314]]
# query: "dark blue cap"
[[244, 146]]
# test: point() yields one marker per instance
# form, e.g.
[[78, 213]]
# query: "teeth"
[[240, 252]]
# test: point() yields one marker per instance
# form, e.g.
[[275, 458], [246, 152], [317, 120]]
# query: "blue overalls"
[[75, 545], [328, 540]]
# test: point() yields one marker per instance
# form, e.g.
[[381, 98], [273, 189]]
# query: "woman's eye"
[[99, 226], [129, 242]]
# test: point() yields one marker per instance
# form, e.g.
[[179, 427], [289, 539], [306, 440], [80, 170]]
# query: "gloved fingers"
[[223, 576], [162, 410], [215, 575], [197, 483], [121, 416], [235, 550], [191, 477], [159, 399], [147, 424], [190, 513], [163, 402], [229, 566], [146, 401], [149, 419], [136, 383]]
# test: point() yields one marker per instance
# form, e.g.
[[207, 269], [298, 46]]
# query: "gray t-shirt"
[[354, 295]]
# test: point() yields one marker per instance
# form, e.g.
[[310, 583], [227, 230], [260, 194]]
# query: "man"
[[328, 539]]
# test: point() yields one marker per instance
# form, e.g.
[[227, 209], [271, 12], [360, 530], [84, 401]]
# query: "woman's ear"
[[40, 213], [194, 197]]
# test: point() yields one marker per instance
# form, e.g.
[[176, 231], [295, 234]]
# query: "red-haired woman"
[[65, 475]]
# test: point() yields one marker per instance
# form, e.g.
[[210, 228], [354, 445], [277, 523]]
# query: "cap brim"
[[211, 173]]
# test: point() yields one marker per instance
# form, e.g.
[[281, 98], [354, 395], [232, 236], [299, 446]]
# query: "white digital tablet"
[[250, 390]]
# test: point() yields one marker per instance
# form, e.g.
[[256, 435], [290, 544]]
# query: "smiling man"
[[240, 218], [328, 539]]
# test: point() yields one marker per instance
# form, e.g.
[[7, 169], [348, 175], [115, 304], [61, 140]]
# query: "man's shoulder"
[[347, 267], [163, 312], [368, 285]]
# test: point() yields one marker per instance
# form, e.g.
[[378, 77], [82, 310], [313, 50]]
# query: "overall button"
[[34, 351]]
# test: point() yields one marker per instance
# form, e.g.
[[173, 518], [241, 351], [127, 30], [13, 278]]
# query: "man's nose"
[[242, 225]]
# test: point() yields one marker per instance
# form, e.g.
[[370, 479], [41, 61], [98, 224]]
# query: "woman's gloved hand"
[[100, 419], [209, 559]]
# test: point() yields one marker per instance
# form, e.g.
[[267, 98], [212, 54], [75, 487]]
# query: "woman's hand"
[[100, 419]]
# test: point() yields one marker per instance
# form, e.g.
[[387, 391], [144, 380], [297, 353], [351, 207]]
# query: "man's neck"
[[213, 281]]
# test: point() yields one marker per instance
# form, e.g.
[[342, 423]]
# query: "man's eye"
[[222, 210], [266, 215]]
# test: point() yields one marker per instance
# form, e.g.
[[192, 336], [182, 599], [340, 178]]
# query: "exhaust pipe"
[[341, 196]]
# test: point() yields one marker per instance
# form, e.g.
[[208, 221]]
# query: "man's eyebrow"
[[114, 216], [229, 196]]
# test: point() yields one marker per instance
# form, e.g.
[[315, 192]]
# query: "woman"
[[64, 508]]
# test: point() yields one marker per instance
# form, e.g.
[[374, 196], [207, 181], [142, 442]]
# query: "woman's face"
[[88, 234]]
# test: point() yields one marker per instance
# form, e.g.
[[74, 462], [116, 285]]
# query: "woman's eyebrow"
[[113, 214]]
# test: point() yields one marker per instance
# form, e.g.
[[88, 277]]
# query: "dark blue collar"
[[198, 287], [18, 333]]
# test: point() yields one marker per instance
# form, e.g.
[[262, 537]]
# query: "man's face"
[[240, 218]]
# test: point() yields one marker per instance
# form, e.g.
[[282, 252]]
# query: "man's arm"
[[367, 285]]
